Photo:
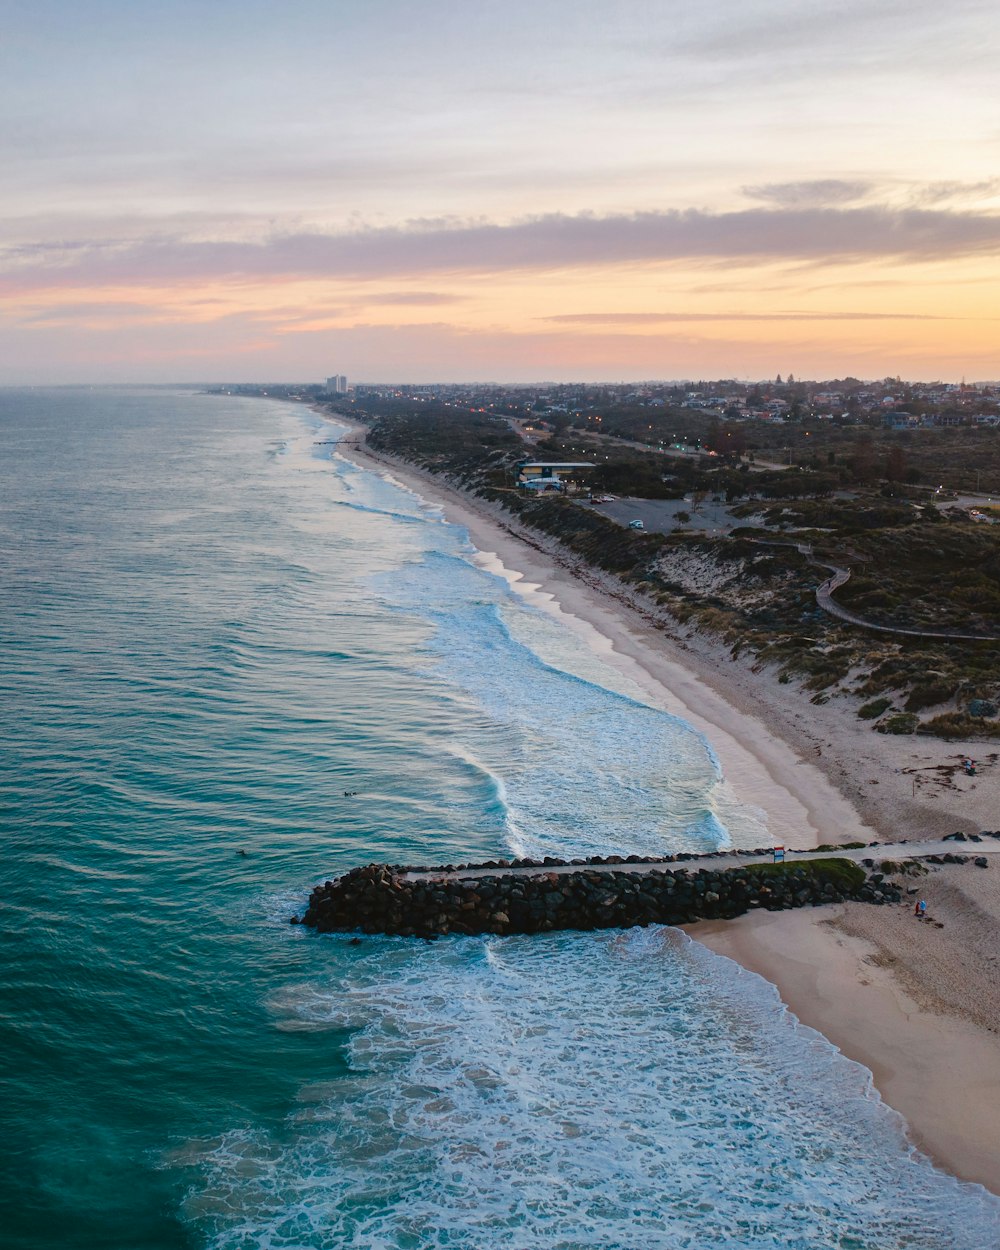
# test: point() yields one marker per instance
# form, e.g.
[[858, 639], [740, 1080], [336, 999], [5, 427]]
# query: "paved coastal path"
[[839, 577], [918, 849]]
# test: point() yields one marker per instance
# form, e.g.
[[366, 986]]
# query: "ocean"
[[234, 663]]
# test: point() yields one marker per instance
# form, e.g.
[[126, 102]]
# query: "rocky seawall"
[[383, 898]]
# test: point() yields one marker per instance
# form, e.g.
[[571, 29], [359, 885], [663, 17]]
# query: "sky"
[[530, 190]]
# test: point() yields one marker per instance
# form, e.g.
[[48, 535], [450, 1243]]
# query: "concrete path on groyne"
[[987, 843], [612, 892]]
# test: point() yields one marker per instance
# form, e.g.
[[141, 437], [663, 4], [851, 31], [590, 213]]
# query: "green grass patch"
[[842, 873]]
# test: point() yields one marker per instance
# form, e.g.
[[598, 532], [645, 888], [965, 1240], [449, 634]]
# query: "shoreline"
[[937, 1068], [819, 776]]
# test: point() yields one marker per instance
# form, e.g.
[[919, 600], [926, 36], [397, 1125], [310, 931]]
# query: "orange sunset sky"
[[544, 190]]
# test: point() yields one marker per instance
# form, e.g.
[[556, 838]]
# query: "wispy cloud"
[[934, 193], [813, 193], [424, 298], [852, 35], [654, 318], [553, 242]]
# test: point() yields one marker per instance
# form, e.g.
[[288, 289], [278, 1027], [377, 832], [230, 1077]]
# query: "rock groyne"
[[383, 898]]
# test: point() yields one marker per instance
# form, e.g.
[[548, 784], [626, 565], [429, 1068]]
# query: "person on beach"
[[920, 908]]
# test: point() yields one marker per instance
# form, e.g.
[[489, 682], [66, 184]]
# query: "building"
[[550, 475], [337, 384]]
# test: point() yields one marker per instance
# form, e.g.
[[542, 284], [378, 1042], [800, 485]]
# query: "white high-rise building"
[[337, 384]]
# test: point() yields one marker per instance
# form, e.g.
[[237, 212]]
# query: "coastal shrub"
[[958, 725], [875, 599], [929, 694], [869, 711], [715, 620], [825, 676], [901, 723]]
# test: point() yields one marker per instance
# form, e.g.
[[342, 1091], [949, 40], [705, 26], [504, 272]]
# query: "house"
[[899, 420]]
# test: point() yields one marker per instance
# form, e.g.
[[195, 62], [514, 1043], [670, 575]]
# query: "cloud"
[[851, 35], [553, 242], [956, 192], [815, 193], [413, 297], [653, 318]]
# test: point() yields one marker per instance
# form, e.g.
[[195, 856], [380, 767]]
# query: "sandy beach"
[[918, 1005], [914, 1002]]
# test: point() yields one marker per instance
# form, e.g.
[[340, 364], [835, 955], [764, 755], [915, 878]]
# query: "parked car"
[[636, 525]]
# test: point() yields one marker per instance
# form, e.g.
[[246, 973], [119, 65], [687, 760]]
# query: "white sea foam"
[[587, 765], [578, 1092]]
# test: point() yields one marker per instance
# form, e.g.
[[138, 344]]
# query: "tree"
[[895, 464], [863, 459]]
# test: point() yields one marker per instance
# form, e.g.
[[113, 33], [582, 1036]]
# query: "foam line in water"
[[577, 1092], [497, 804], [587, 767]]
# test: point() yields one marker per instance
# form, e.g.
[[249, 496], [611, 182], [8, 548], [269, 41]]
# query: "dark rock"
[[378, 899]]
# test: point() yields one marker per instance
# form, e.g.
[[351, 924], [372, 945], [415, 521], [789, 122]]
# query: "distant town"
[[891, 402]]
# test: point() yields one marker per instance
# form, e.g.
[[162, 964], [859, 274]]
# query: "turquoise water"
[[212, 627]]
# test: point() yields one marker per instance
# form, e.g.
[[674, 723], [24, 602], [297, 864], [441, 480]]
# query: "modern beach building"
[[550, 475]]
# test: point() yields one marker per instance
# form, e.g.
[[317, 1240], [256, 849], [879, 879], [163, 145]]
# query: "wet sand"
[[919, 1006]]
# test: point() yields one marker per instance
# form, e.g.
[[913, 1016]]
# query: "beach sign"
[[779, 854]]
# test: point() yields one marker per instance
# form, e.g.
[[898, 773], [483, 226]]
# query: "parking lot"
[[659, 516]]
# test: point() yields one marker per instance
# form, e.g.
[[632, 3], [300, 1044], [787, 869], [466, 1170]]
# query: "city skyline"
[[555, 191]]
